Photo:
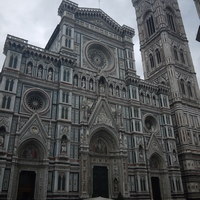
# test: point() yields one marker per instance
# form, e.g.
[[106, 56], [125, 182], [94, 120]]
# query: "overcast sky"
[[35, 20]]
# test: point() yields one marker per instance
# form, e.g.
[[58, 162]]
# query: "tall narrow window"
[[182, 86], [61, 182], [68, 43], [66, 75], [189, 89], [11, 61], [15, 62], [11, 85], [175, 53], [64, 113], [150, 25], [151, 61], [6, 102], [134, 91], [182, 56], [68, 31], [170, 20], [7, 84], [158, 56]]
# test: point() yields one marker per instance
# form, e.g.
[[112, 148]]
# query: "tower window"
[[182, 86], [151, 61], [68, 43], [13, 62], [189, 89], [68, 31], [170, 20], [175, 53], [158, 56], [9, 85], [66, 75], [150, 25], [182, 56]]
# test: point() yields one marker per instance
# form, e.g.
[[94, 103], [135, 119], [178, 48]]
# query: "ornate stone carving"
[[103, 118]]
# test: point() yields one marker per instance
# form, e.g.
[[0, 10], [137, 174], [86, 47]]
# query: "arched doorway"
[[158, 178], [30, 168], [26, 185], [104, 175]]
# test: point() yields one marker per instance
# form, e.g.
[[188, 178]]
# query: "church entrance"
[[100, 181], [26, 186], [155, 183]]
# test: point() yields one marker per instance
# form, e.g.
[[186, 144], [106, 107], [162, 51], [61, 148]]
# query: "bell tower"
[[167, 60]]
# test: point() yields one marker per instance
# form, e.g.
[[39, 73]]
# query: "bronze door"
[[26, 186], [100, 182]]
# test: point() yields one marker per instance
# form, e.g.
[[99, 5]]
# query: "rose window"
[[97, 58], [36, 100], [35, 103], [151, 123]]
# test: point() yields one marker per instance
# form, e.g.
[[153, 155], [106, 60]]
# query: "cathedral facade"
[[76, 121]]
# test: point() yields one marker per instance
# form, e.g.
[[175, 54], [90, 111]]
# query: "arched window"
[[61, 182], [182, 56], [7, 84], [66, 75], [182, 86], [64, 113], [68, 43], [189, 89], [150, 25], [6, 102], [170, 20], [175, 53], [68, 31], [15, 62], [151, 61], [11, 61], [158, 56], [11, 85]]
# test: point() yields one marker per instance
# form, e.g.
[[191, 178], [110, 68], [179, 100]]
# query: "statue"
[[49, 75], [29, 69], [40, 73]]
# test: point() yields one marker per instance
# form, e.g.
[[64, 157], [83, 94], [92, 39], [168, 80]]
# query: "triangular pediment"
[[102, 115], [100, 19], [33, 129], [154, 146]]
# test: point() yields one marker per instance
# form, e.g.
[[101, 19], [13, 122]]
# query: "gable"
[[33, 129], [102, 114]]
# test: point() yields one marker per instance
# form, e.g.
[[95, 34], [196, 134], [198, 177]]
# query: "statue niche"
[[100, 147]]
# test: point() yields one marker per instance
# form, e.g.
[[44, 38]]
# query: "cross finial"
[[99, 3]]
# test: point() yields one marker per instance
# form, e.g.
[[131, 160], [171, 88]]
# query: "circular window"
[[36, 100], [99, 56], [150, 123]]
